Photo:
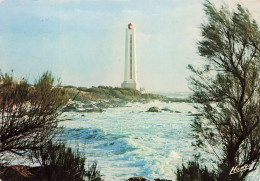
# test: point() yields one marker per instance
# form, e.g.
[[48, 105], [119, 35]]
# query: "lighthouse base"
[[134, 85]]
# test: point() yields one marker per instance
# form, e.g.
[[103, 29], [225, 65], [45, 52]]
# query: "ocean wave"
[[88, 134], [127, 141], [118, 146]]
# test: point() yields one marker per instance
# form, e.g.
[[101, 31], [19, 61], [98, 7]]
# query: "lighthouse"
[[130, 76]]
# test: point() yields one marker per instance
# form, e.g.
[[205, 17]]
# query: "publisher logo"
[[242, 168]]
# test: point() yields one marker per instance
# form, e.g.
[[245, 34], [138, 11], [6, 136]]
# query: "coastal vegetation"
[[194, 171], [115, 94], [28, 114], [227, 90], [28, 127]]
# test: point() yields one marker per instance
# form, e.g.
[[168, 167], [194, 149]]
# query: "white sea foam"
[[128, 141]]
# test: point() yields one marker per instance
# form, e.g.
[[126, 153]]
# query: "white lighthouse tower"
[[130, 79]]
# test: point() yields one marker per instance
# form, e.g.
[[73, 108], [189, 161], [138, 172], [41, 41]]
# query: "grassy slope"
[[109, 93]]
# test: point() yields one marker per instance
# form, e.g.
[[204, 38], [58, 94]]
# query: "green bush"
[[194, 172], [85, 89], [93, 173], [28, 114], [59, 162], [69, 86]]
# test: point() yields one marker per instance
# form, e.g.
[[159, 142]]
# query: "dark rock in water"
[[153, 109], [90, 105], [161, 179], [167, 109], [156, 109], [190, 112], [95, 109], [69, 108], [86, 108], [195, 115], [137, 179], [103, 105]]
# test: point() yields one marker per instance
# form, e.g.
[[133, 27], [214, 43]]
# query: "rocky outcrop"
[[195, 115], [83, 108], [69, 108], [167, 109], [95, 109], [102, 93], [156, 109], [137, 179], [153, 109]]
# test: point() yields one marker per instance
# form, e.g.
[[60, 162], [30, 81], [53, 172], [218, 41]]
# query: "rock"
[[86, 108], [167, 109], [80, 110], [195, 115], [90, 105], [161, 179], [153, 109], [103, 105], [177, 111], [93, 110], [97, 110], [69, 108], [137, 179]]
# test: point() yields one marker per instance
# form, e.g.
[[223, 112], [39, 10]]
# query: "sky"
[[83, 41]]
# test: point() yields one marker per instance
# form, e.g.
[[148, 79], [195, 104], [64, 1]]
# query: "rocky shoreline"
[[101, 106], [116, 95]]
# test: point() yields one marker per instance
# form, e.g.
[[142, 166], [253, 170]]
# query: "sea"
[[127, 141]]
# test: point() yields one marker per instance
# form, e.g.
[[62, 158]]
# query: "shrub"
[[93, 174], [194, 172], [69, 86], [59, 162], [85, 89], [28, 114]]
